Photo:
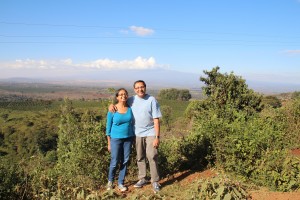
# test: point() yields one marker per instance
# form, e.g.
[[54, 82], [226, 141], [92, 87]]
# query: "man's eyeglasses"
[[141, 87]]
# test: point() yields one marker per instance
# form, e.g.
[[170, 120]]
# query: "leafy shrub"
[[82, 150], [241, 140], [170, 156], [184, 153], [244, 146], [11, 181], [79, 165], [278, 170], [40, 177], [166, 119], [220, 188], [291, 115], [194, 148]]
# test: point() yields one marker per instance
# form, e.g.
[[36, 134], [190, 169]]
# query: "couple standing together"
[[136, 117]]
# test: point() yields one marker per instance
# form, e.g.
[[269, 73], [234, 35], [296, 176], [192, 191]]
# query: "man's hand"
[[156, 143], [157, 130], [112, 108]]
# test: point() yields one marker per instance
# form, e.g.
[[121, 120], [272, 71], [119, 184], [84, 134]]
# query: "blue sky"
[[256, 39]]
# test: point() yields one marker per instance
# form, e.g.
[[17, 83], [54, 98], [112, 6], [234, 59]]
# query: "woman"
[[120, 135]]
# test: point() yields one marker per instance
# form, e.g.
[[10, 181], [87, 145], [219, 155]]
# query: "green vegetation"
[[272, 101], [244, 139], [53, 149], [175, 94], [221, 188]]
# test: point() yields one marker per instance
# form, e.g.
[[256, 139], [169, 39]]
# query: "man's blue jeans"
[[120, 151]]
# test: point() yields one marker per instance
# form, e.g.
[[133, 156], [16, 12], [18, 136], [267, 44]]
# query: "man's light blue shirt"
[[144, 111]]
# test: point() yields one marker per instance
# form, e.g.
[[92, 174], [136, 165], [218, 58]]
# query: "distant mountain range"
[[114, 78], [154, 79]]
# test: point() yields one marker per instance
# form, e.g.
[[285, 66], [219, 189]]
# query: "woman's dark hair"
[[117, 92], [139, 81]]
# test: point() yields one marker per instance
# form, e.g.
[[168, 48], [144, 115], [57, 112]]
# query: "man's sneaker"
[[156, 187], [140, 183], [122, 188], [109, 185]]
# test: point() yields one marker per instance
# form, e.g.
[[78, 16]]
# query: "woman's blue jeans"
[[120, 150]]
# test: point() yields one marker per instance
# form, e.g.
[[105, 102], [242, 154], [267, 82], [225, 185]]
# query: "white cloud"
[[67, 61], [138, 63], [292, 52], [141, 31], [68, 64], [37, 64]]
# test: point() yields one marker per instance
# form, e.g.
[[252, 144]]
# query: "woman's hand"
[[108, 143]]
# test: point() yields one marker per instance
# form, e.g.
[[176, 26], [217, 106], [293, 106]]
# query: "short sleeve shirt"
[[144, 111]]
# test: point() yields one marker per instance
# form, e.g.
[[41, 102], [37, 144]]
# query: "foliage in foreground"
[[219, 188]]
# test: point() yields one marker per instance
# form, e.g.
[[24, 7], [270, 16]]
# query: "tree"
[[228, 90], [166, 112], [229, 101], [175, 94], [184, 95], [82, 148]]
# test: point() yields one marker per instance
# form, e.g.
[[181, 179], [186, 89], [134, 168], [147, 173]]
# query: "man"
[[146, 113]]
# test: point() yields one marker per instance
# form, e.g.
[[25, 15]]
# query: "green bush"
[[166, 119], [195, 149], [41, 177], [78, 167], [244, 145], [278, 170], [11, 186], [240, 139], [83, 158], [170, 156], [221, 188], [291, 115], [183, 153]]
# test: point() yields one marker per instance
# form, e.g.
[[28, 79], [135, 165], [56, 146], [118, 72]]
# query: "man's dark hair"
[[139, 81]]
